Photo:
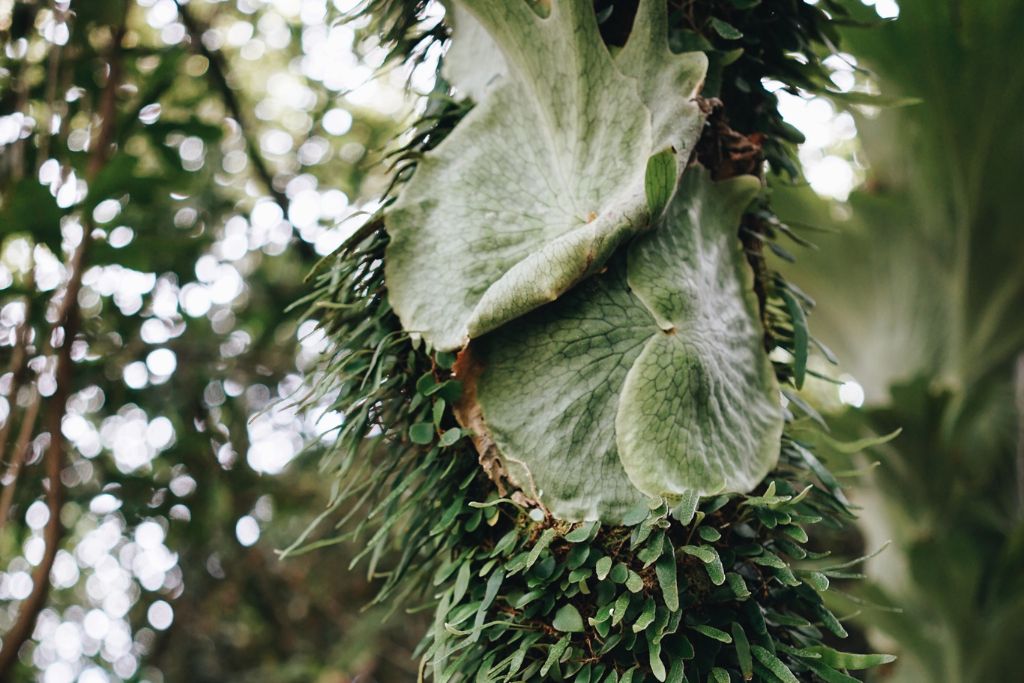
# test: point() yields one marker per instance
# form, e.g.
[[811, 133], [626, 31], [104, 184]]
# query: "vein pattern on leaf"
[[543, 179], [648, 380]]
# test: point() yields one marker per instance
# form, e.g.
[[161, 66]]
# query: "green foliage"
[[175, 235], [656, 597], [753, 44], [636, 600], [927, 317], [519, 595]]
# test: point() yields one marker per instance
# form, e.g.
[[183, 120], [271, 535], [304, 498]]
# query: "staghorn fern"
[[681, 572]]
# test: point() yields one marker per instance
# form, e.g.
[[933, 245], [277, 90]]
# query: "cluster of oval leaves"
[[728, 593], [732, 594]]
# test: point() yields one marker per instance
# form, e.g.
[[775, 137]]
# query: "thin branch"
[[19, 364], [218, 73], [18, 456], [52, 79], [54, 531], [33, 604], [67, 322], [19, 361]]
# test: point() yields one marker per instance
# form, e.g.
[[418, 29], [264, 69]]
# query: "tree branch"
[[218, 73], [52, 80], [67, 323], [19, 361], [18, 367], [18, 456]]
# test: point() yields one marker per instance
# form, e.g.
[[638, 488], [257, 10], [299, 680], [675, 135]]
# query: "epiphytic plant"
[[577, 283]]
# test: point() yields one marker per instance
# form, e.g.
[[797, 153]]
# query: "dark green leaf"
[[421, 433], [800, 338], [725, 29], [742, 645]]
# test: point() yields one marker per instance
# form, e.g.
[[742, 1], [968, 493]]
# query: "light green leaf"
[[646, 617], [474, 63], [619, 610], [539, 184], [718, 675], [725, 29], [667, 572], [554, 421], [685, 507], [739, 639], [440, 658], [421, 433], [849, 660], [461, 584], [713, 633], [567, 619], [584, 532], [774, 664], [660, 181], [703, 553], [712, 562], [816, 580], [654, 658], [828, 674], [542, 543], [715, 571], [555, 653], [702, 392], [647, 380], [450, 437], [737, 585], [851, 447], [490, 592]]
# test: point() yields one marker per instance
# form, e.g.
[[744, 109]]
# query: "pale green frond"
[[539, 184], [648, 380]]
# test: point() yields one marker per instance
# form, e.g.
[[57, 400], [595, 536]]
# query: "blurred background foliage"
[[922, 293], [245, 141], [249, 135]]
